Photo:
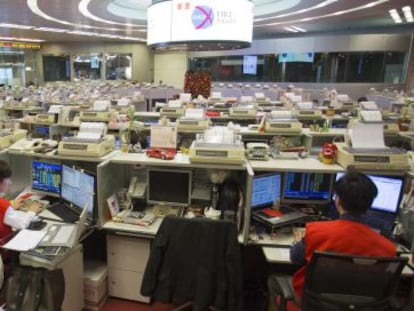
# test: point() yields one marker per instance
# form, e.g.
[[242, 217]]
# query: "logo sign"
[[202, 17]]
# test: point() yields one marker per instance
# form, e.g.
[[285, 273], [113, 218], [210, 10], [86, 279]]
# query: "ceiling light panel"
[[395, 16], [408, 14]]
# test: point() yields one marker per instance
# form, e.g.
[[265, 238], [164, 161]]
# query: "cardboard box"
[[95, 281]]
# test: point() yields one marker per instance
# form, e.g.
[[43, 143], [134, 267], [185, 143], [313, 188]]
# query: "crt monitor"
[[307, 187], [46, 178], [41, 131], [266, 189], [390, 191], [78, 188], [171, 187]]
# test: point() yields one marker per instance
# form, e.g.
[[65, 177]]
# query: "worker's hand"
[[35, 207], [17, 204], [298, 234]]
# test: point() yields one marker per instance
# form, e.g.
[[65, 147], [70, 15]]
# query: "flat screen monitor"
[[307, 187], [171, 187], [46, 178], [40, 131], [266, 189], [390, 191], [78, 188]]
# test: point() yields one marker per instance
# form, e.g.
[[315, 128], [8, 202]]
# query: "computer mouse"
[[37, 225]]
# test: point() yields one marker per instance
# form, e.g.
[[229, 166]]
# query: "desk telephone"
[[136, 189], [25, 144]]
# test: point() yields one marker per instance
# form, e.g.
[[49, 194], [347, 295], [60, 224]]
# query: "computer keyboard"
[[64, 212]]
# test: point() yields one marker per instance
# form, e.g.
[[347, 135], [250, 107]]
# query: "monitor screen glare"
[[266, 190], [390, 189], [172, 187], [78, 188], [307, 187], [46, 177]]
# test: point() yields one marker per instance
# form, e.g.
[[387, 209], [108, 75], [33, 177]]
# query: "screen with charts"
[[311, 187], [171, 187], [46, 178], [266, 189], [390, 190], [78, 188]]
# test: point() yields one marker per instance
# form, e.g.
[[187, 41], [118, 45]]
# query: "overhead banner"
[[19, 45]]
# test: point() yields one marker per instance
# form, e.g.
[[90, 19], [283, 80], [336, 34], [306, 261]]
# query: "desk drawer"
[[125, 284]]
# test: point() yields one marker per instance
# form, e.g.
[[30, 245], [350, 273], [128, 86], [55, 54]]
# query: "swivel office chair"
[[195, 261], [336, 282]]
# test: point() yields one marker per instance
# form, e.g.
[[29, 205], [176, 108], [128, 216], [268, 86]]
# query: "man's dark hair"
[[5, 170], [356, 191], [229, 198]]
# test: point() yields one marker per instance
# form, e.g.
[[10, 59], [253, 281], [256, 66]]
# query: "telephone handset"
[[25, 144], [136, 189]]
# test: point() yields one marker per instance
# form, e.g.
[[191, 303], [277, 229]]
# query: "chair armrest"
[[286, 287]]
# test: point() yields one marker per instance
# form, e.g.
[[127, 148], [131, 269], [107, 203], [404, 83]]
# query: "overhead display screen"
[[178, 21]]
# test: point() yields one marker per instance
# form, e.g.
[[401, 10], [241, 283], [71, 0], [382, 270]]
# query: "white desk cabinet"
[[127, 257]]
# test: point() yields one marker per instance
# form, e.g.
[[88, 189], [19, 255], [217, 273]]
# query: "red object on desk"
[[161, 153], [272, 212], [212, 114]]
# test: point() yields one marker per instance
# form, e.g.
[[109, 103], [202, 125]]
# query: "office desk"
[[309, 164], [72, 265]]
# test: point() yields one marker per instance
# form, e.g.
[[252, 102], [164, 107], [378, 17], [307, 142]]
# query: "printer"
[[98, 112], [258, 151], [173, 109], [366, 148], [193, 120], [305, 110], [10, 136], [245, 111], [218, 145], [91, 141], [282, 121]]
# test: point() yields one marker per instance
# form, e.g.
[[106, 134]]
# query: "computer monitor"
[[266, 189], [78, 188], [390, 191], [46, 178], [170, 187], [41, 131], [307, 187]]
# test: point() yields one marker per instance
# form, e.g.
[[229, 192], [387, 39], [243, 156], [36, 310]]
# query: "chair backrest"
[[343, 282]]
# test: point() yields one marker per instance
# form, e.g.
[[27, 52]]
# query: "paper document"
[[369, 105], [174, 104], [194, 113], [259, 95], [281, 115], [91, 130], [367, 136], [305, 105], [101, 105], [55, 108], [25, 240], [371, 115]]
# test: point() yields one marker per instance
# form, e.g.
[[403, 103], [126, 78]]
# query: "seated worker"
[[355, 193], [9, 214]]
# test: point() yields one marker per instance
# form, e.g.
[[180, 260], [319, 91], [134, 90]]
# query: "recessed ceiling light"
[[51, 29], [395, 16], [290, 29], [16, 26], [408, 14], [299, 28], [21, 39]]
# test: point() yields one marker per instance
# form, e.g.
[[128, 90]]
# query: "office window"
[[87, 66], [342, 67], [118, 66], [56, 68], [12, 67]]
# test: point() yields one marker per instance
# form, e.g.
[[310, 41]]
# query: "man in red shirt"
[[355, 193]]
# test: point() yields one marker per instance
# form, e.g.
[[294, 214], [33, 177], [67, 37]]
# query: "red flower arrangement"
[[197, 83]]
